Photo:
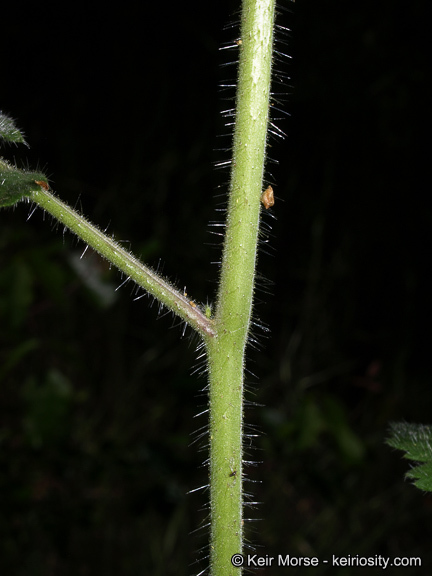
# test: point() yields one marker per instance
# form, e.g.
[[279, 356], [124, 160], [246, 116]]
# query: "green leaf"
[[15, 184], [9, 132], [416, 441], [422, 476]]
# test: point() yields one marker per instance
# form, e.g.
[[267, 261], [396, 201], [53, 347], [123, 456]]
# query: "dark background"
[[122, 111]]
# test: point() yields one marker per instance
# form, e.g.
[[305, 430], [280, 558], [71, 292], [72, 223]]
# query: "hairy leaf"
[[416, 441], [9, 132]]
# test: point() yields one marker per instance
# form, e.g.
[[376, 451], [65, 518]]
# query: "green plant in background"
[[224, 332], [416, 441]]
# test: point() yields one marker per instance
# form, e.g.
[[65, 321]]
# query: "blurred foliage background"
[[97, 399]]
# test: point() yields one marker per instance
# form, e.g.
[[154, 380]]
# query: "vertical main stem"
[[226, 352]]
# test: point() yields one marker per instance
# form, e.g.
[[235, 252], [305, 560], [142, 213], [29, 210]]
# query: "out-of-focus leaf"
[[48, 405]]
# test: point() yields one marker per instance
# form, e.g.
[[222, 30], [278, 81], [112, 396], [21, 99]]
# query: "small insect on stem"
[[232, 474], [42, 184], [267, 198]]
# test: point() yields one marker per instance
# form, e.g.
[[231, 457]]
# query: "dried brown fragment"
[[267, 198], [42, 184]]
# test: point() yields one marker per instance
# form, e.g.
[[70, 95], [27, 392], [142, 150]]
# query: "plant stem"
[[226, 352], [125, 261], [226, 334]]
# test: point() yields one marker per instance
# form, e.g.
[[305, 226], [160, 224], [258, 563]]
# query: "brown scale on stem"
[[42, 184], [267, 198]]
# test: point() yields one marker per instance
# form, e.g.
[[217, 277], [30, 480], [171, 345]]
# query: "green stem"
[[126, 262], [226, 352], [226, 334]]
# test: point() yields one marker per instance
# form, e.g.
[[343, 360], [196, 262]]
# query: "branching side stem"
[[226, 334], [126, 262]]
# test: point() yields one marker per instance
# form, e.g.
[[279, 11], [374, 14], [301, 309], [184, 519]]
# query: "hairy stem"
[[125, 261], [226, 334], [226, 352]]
